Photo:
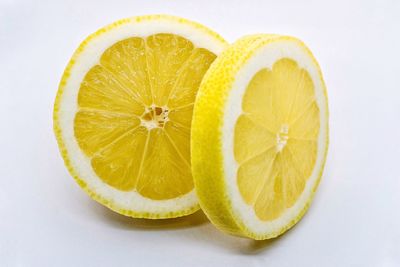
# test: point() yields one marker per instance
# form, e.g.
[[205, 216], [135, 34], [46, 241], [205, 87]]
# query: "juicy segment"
[[276, 136], [135, 110]]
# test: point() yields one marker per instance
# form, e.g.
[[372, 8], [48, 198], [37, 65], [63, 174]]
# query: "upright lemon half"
[[123, 112], [259, 136]]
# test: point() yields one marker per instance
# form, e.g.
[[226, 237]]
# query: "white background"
[[46, 220]]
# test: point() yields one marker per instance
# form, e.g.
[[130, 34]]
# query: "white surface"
[[46, 219]]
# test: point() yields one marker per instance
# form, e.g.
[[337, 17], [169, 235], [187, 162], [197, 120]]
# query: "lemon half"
[[123, 111], [259, 136]]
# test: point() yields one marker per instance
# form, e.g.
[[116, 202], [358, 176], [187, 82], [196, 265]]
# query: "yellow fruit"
[[259, 136], [122, 116]]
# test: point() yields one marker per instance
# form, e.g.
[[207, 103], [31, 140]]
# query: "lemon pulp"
[[134, 114], [275, 139]]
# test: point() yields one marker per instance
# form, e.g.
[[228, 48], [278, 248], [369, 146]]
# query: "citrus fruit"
[[122, 115], [259, 135]]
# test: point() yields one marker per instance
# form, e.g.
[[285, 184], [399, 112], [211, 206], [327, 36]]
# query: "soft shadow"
[[211, 236], [203, 231], [120, 221], [255, 247]]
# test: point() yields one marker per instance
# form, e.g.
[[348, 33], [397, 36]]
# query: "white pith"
[[68, 107], [265, 58]]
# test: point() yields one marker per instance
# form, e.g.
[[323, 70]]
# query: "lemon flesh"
[[259, 136], [276, 138], [135, 110]]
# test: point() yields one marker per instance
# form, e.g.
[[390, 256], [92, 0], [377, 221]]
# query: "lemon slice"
[[122, 116], [259, 136]]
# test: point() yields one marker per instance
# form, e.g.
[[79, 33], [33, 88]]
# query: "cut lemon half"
[[122, 115], [259, 136]]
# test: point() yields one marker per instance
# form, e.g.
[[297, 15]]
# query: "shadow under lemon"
[[201, 230], [204, 231]]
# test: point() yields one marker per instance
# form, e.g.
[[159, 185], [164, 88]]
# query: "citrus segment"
[[117, 163]]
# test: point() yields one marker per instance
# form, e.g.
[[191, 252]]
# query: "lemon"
[[122, 115], [259, 136]]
